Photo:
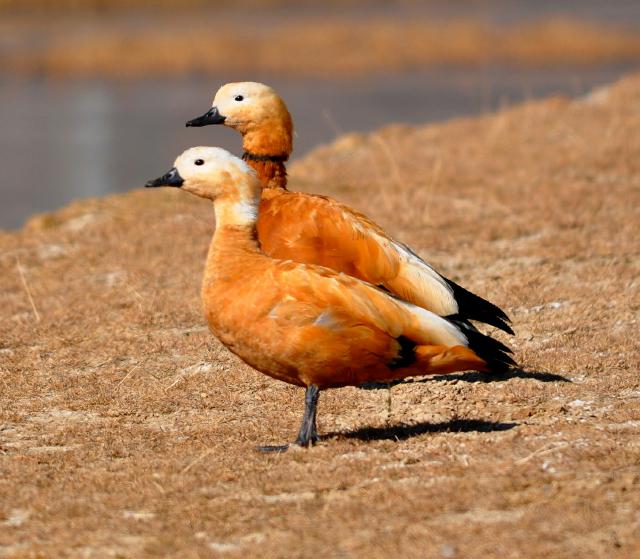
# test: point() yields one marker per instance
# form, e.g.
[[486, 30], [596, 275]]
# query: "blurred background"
[[94, 94]]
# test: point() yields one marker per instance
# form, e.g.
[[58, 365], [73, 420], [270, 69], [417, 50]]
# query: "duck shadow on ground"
[[403, 431], [472, 376]]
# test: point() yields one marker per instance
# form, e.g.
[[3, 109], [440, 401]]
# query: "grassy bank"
[[126, 430]]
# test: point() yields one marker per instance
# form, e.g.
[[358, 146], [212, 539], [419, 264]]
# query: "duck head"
[[257, 112], [212, 173]]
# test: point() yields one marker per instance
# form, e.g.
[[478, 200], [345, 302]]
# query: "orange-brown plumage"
[[327, 233], [319, 230], [305, 324], [308, 325]]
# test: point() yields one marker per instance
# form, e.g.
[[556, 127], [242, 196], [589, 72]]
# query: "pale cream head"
[[214, 173], [210, 172], [259, 114], [249, 104]]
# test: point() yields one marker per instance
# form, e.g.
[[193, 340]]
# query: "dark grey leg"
[[308, 433]]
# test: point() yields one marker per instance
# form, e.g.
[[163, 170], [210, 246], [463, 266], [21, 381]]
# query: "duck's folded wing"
[[319, 230], [337, 296], [321, 295]]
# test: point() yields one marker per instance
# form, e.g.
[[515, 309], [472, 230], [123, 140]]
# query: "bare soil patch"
[[127, 431]]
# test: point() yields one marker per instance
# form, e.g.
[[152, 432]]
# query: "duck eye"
[[199, 161], [239, 97]]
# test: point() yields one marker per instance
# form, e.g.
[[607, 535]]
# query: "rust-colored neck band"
[[270, 169]]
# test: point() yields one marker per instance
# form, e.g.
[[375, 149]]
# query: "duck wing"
[[314, 294]]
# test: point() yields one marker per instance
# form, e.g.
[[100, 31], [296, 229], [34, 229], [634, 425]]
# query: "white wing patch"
[[437, 330], [421, 284]]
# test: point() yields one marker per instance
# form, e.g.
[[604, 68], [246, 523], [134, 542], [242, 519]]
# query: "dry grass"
[[127, 431], [323, 47], [102, 6]]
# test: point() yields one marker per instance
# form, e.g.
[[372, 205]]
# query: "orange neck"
[[270, 170], [234, 238], [230, 248], [267, 148]]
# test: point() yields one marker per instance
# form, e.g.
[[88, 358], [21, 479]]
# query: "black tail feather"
[[472, 307], [495, 353]]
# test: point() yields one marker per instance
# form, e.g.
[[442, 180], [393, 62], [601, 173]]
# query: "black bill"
[[212, 116], [172, 178]]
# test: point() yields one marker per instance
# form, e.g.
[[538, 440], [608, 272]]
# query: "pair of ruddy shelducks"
[[309, 291]]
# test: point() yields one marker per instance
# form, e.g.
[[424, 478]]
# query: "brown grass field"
[[106, 6], [176, 45], [126, 430]]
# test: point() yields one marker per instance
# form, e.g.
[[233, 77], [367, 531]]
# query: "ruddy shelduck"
[[306, 324], [319, 230]]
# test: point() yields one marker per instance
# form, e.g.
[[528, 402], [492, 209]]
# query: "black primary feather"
[[494, 353], [472, 307]]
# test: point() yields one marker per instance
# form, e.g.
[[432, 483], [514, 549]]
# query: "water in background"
[[72, 139]]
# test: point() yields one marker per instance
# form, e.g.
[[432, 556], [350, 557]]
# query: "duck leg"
[[308, 434]]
